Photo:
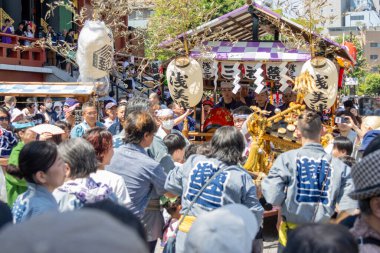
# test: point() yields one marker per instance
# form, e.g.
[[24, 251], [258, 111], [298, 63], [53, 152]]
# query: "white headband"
[[164, 113]]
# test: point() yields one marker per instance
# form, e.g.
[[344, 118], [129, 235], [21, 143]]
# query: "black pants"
[[152, 246]]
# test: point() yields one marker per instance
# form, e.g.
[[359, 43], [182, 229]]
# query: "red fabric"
[[351, 48], [242, 69], [208, 102], [340, 80], [219, 116]]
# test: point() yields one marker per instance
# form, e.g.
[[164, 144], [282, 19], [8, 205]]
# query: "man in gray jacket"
[[308, 183]]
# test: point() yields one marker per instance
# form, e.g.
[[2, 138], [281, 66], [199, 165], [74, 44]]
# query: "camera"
[[341, 120]]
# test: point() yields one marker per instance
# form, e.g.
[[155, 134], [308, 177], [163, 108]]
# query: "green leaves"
[[174, 17], [372, 84], [360, 70]]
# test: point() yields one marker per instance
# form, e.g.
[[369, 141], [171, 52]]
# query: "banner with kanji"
[[227, 70]]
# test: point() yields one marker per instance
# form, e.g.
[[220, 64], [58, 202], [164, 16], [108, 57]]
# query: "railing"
[[29, 56]]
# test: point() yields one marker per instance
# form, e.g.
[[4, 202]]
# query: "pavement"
[[270, 235]]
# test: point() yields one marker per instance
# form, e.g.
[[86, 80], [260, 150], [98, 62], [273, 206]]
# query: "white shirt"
[[3, 190], [161, 133], [115, 182], [108, 122]]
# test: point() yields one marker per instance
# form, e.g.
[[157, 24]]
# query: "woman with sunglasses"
[[7, 142], [7, 139]]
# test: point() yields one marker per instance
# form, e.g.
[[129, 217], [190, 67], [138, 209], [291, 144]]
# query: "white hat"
[[57, 104], [164, 113], [15, 113], [226, 85], [231, 228]]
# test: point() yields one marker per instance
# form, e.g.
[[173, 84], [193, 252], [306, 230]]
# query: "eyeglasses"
[[4, 118], [91, 113]]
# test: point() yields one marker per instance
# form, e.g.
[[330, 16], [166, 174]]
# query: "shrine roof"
[[238, 24]]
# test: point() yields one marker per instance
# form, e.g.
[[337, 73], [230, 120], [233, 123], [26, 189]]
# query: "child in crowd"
[[110, 112], [342, 146], [240, 115], [173, 207], [176, 147]]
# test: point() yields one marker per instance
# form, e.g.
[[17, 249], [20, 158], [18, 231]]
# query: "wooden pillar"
[[185, 130]]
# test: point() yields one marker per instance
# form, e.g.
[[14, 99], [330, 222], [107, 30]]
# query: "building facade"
[[357, 18], [35, 11], [372, 48], [362, 19]]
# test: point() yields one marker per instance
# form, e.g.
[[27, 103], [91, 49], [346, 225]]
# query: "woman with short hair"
[[65, 126], [232, 185], [80, 189], [101, 140], [43, 177]]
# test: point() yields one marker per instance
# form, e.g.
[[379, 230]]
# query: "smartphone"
[[369, 106], [341, 120]]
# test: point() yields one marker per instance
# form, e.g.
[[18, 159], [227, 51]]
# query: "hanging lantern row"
[[185, 78], [278, 72]]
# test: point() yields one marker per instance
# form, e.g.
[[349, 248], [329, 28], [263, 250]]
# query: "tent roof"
[[238, 24], [41, 89]]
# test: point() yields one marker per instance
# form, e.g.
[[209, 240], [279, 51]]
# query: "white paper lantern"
[[185, 82], [95, 51], [325, 75]]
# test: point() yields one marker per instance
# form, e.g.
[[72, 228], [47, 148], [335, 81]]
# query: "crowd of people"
[[28, 30], [128, 169]]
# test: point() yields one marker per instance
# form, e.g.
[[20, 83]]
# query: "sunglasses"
[[4, 118]]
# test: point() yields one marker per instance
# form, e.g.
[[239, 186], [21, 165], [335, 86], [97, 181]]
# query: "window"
[[373, 56], [374, 44], [139, 14], [360, 17], [343, 29], [132, 15]]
